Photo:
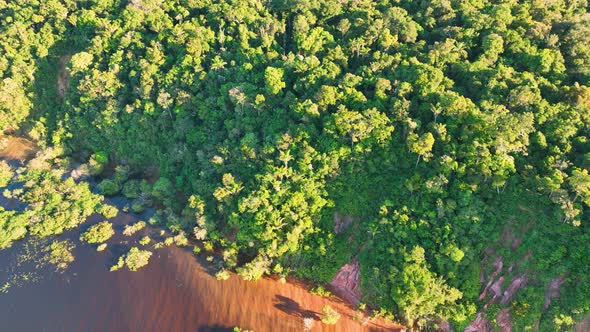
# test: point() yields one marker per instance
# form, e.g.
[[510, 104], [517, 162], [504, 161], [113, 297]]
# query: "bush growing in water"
[[53, 206], [98, 233], [135, 259], [255, 269], [180, 239], [108, 211], [13, 226], [97, 163], [109, 187], [132, 229], [135, 188], [119, 265], [145, 240], [59, 254]]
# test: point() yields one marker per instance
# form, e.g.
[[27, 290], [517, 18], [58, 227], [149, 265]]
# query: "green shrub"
[[136, 258], [109, 187], [6, 173], [59, 254], [132, 189], [97, 163], [329, 315], [13, 226], [145, 240], [98, 233], [108, 211], [163, 189], [134, 228], [222, 275], [138, 206]]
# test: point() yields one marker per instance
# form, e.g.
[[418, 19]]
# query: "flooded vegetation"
[[63, 283]]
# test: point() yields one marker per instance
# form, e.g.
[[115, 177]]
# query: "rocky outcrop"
[[347, 282], [341, 222], [480, 324]]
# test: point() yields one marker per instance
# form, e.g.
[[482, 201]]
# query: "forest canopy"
[[455, 133]]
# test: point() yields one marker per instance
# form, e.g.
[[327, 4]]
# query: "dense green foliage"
[[134, 228], [98, 233], [135, 259], [438, 124], [53, 205], [13, 226]]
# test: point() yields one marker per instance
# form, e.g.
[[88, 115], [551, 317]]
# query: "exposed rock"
[[496, 288], [480, 324], [341, 222], [445, 326], [498, 265], [504, 320], [552, 291], [517, 283], [583, 326], [347, 281]]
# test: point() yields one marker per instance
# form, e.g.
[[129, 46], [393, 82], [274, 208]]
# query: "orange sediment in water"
[[16, 148]]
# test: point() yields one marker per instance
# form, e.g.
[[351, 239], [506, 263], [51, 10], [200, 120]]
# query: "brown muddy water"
[[175, 292]]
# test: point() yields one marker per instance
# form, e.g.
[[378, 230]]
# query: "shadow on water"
[[291, 307], [215, 328]]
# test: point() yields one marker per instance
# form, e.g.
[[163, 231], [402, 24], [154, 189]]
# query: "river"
[[175, 292]]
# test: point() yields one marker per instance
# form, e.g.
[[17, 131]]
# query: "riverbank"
[[175, 292]]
